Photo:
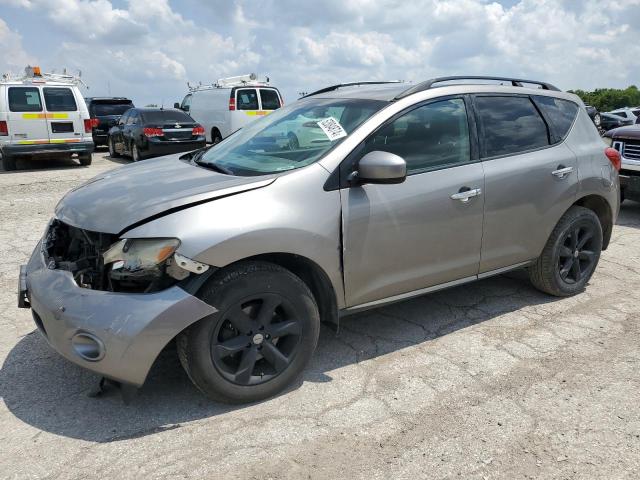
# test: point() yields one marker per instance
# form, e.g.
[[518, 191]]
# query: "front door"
[[26, 118], [427, 230]]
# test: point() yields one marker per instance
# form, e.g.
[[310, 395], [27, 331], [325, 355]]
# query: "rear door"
[[26, 118], [531, 179], [63, 115], [247, 108], [269, 100]]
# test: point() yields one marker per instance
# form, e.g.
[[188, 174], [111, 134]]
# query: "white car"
[[43, 115], [230, 104], [627, 113]]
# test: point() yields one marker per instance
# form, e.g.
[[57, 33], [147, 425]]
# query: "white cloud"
[[148, 49], [14, 57]]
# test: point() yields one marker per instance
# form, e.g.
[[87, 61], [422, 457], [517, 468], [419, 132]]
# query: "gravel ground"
[[488, 380]]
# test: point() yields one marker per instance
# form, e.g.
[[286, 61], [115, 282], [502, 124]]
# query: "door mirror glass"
[[176, 105], [382, 167]]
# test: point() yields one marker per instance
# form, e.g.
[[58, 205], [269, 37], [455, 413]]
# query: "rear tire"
[[261, 339], [85, 159], [571, 254], [8, 163], [216, 137], [112, 148], [135, 153]]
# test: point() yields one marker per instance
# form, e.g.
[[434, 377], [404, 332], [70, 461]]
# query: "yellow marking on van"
[[40, 116], [32, 142], [253, 113], [64, 140], [55, 140]]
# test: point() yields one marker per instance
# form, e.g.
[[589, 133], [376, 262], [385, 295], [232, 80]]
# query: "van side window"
[[269, 99], [561, 114], [509, 125], [24, 99], [247, 99], [186, 103], [59, 99], [432, 136]]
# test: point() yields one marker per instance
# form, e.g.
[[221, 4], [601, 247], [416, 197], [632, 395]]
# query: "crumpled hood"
[[115, 200], [631, 132]]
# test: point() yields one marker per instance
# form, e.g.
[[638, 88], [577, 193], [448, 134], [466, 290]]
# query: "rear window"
[[510, 125], [59, 99], [24, 99], [166, 116], [247, 99], [561, 113], [105, 109], [269, 99]]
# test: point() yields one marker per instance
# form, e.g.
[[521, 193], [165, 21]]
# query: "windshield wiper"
[[211, 166]]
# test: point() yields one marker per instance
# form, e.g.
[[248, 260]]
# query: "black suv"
[[107, 110]]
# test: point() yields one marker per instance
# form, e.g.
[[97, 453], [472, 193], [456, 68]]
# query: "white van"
[[229, 104], [43, 114]]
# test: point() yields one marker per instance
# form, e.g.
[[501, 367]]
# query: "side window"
[[510, 125], [123, 118], [247, 99], [269, 99], [561, 113], [432, 136], [186, 103], [133, 118], [24, 99], [59, 99]]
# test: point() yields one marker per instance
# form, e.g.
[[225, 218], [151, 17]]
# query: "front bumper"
[[14, 150], [129, 330]]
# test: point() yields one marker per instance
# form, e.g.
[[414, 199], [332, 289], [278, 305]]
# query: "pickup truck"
[[627, 141]]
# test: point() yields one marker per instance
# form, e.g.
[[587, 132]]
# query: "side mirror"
[[176, 105], [381, 167]]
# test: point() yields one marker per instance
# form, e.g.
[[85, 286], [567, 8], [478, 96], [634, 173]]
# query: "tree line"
[[607, 99]]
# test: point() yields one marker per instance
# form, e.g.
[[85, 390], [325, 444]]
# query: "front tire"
[[261, 339], [135, 153], [84, 159], [571, 254]]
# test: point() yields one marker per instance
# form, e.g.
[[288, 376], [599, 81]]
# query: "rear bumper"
[[100, 138], [122, 333], [14, 150], [168, 147]]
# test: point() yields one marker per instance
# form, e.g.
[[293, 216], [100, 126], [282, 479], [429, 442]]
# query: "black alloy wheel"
[[257, 339], [577, 253]]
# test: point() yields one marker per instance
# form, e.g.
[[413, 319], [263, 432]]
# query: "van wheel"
[[85, 159], [112, 148], [571, 254], [261, 339], [8, 163], [216, 137], [292, 141]]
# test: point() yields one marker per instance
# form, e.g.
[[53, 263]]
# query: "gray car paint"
[[393, 246]]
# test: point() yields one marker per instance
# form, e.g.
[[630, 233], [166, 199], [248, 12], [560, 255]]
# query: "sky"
[[148, 50]]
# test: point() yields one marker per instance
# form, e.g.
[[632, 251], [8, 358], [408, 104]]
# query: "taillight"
[[152, 132], [4, 129], [88, 125], [197, 131], [232, 103], [614, 157]]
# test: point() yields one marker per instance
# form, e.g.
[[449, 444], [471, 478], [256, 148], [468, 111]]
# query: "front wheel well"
[[600, 206]]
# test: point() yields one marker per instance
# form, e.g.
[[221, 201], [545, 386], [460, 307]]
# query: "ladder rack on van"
[[34, 74], [250, 79]]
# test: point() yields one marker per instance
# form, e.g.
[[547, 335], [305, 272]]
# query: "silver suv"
[[238, 252]]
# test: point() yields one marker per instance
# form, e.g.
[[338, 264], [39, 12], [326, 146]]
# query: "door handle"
[[562, 171], [466, 193]]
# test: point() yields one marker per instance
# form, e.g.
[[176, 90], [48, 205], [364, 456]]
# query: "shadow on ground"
[[42, 389], [57, 163]]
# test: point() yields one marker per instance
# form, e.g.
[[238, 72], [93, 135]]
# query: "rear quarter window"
[[269, 99], [561, 114], [510, 125], [59, 99], [24, 99]]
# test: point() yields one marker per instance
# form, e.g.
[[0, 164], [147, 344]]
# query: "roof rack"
[[350, 84], [34, 74], [516, 82], [229, 82]]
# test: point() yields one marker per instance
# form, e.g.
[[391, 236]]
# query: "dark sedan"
[[609, 121], [150, 132], [107, 111]]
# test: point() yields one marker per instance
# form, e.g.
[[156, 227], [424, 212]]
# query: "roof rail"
[[350, 84], [516, 82]]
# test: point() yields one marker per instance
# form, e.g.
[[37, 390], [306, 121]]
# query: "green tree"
[[607, 99]]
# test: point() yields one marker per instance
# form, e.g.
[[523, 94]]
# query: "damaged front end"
[[101, 261]]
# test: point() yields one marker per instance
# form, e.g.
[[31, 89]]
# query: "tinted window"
[[510, 125], [428, 137], [24, 99], [104, 109], [247, 100], [561, 113], [269, 99], [123, 118], [166, 116], [186, 103], [59, 99], [133, 118]]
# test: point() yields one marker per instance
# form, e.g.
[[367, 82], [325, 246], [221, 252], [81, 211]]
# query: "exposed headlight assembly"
[[607, 140], [140, 254]]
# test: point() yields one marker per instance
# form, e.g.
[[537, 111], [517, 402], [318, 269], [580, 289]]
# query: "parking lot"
[[491, 379]]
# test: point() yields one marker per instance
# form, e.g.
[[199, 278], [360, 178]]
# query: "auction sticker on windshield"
[[332, 128]]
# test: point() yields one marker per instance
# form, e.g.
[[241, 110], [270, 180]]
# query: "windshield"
[[105, 109], [292, 137]]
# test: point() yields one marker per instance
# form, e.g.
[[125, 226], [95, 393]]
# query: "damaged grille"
[[81, 252]]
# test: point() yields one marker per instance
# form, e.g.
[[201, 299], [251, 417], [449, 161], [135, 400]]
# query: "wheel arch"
[[601, 207]]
